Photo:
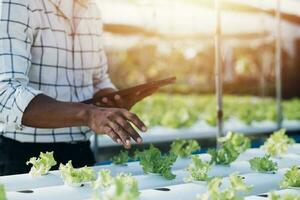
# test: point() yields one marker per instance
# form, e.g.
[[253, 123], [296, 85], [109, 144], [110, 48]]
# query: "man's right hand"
[[46, 112], [116, 123]]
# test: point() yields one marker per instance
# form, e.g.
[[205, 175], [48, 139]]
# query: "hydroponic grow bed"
[[152, 186], [202, 130]]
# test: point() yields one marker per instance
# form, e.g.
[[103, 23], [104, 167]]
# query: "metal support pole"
[[95, 147], [278, 67], [218, 69]]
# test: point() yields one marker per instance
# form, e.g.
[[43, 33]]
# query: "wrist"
[[85, 113]]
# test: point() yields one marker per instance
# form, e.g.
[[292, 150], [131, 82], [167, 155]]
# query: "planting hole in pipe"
[[162, 189], [263, 195], [26, 191]]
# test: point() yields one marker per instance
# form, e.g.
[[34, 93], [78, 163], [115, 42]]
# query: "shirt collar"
[[66, 6]]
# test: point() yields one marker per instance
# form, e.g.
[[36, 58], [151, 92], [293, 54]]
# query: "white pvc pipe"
[[279, 192]]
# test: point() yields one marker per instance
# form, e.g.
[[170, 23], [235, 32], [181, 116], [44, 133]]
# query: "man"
[[51, 62]]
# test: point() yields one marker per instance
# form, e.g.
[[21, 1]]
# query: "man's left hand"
[[118, 101]]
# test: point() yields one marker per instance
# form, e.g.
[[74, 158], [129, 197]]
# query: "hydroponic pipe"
[[218, 69], [278, 66]]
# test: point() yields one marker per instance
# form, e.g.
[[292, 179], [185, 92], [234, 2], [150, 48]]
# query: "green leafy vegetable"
[[2, 192], [277, 144], [274, 196], [216, 193], [198, 170], [121, 158], [211, 119], [153, 161], [291, 178], [184, 148], [76, 177], [263, 164], [237, 140], [179, 111], [122, 187], [223, 156], [232, 146], [104, 180], [41, 165]]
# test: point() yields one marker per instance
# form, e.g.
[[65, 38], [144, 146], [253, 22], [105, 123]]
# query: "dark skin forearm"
[[45, 112]]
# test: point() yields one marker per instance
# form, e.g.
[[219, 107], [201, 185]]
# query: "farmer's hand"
[[115, 123], [123, 100]]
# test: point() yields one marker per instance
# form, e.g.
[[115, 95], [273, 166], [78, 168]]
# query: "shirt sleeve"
[[101, 77], [15, 60]]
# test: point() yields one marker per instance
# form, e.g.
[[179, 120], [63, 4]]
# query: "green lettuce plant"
[[198, 170], [263, 164], [42, 164], [223, 156], [277, 144], [274, 196], [121, 159], [121, 187], [238, 141], [232, 145], [152, 161], [291, 178], [184, 148], [76, 177], [215, 192], [103, 181]]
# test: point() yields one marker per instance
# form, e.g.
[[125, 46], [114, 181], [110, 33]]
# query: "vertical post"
[[278, 66], [218, 69], [95, 147]]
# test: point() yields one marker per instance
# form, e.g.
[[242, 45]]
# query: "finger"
[[119, 101], [127, 126], [122, 134], [107, 102], [135, 120], [99, 104], [109, 131]]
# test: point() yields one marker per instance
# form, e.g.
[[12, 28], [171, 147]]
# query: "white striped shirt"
[[47, 48]]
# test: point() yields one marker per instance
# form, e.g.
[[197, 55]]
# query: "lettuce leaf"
[[263, 164], [232, 145], [184, 148], [230, 193], [198, 170], [2, 192], [291, 178], [223, 156], [152, 161], [104, 180], [274, 196], [277, 144], [76, 177], [41, 165], [121, 187], [237, 140], [121, 158]]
